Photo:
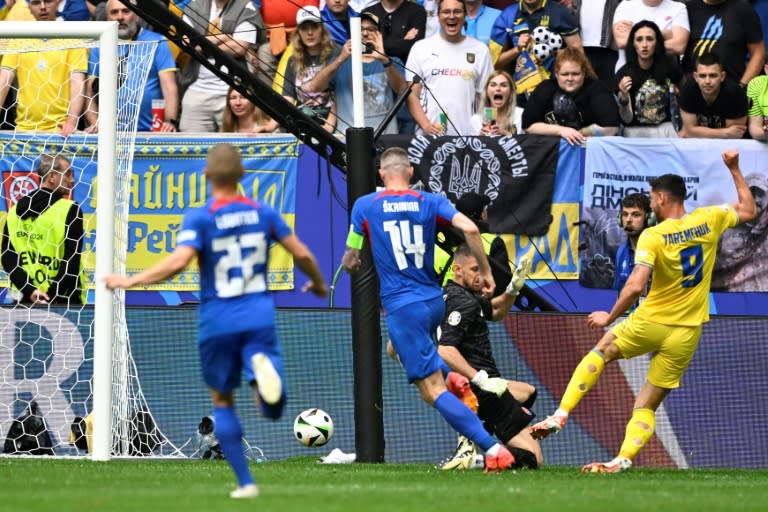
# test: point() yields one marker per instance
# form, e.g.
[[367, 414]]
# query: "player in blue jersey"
[[230, 238], [400, 226]]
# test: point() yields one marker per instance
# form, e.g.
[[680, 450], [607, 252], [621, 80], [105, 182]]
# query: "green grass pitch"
[[32, 485]]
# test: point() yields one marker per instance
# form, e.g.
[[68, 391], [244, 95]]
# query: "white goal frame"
[[106, 34]]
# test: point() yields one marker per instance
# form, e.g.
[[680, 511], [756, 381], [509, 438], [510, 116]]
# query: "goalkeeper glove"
[[518, 277], [493, 385]]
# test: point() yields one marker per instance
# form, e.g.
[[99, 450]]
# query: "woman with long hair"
[[573, 104], [242, 116], [312, 50], [498, 113], [645, 85]]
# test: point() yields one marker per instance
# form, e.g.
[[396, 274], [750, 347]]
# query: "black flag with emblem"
[[516, 172]]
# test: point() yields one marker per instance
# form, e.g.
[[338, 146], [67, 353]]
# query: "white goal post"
[[105, 32]]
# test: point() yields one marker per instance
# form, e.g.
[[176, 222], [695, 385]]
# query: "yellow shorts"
[[672, 346]]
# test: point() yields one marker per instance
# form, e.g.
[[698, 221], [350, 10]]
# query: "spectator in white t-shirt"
[[454, 69], [670, 16]]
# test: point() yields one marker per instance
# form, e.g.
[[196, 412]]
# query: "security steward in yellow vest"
[[42, 237], [475, 206]]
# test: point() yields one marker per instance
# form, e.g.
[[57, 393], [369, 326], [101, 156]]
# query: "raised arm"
[[394, 76], [675, 40], [502, 303], [745, 207], [322, 79], [621, 30], [229, 44]]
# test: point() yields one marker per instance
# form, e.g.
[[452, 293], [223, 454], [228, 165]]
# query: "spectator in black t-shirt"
[[402, 24], [731, 30], [645, 84], [712, 105], [573, 105]]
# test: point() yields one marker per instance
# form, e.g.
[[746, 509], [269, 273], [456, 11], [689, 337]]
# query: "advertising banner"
[[616, 167], [167, 178]]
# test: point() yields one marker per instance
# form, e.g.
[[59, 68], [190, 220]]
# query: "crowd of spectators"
[[571, 68]]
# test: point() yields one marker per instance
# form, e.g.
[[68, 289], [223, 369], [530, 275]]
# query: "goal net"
[[65, 355]]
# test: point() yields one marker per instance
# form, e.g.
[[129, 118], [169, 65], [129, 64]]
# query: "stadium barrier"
[[713, 420]]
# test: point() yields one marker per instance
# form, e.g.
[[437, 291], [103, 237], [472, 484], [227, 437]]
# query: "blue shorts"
[[224, 358], [411, 329]]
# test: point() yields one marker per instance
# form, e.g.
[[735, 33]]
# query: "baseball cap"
[[472, 204], [370, 16], [308, 13]]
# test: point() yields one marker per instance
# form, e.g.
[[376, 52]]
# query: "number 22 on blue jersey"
[[235, 271]]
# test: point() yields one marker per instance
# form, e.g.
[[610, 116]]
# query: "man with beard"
[[634, 217], [161, 80], [42, 237], [454, 69], [464, 344]]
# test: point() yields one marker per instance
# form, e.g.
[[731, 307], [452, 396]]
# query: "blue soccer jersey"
[[129, 64], [232, 239], [401, 227]]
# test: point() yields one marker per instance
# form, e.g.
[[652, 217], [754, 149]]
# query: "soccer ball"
[[540, 34], [555, 41], [313, 427], [542, 52]]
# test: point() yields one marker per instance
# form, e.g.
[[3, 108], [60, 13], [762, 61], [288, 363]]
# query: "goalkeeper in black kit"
[[465, 346]]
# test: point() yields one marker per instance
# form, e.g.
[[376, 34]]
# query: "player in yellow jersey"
[[680, 252]]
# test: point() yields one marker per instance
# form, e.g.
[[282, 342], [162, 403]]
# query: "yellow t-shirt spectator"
[[44, 85]]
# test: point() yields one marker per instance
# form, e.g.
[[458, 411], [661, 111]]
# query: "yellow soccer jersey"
[[682, 253], [44, 86]]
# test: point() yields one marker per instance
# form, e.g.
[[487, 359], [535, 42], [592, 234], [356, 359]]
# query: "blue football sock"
[[463, 420], [230, 435]]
